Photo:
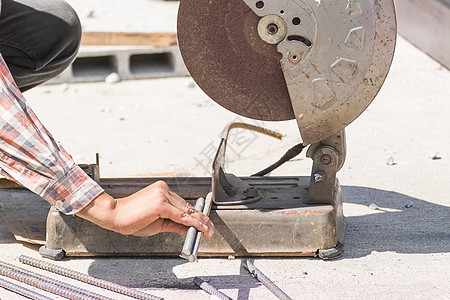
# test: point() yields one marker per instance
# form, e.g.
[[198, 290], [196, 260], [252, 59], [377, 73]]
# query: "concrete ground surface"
[[164, 127]]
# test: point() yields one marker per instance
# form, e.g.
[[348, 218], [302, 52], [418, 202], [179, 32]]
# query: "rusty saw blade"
[[221, 48], [324, 71]]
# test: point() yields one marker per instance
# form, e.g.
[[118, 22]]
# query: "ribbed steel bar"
[[22, 290], [37, 263], [81, 291], [210, 289], [264, 280], [52, 287]]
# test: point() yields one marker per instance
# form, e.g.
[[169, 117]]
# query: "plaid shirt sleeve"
[[30, 155]]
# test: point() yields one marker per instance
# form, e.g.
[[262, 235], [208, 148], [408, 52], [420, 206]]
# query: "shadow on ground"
[[420, 229], [20, 204]]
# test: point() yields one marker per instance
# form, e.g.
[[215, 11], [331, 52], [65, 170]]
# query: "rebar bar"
[[37, 263], [22, 290], [210, 289], [264, 280], [192, 232], [54, 286], [68, 286]]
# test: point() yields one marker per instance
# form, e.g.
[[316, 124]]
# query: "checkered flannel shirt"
[[30, 156]]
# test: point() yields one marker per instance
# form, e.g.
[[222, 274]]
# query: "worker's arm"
[[30, 155]]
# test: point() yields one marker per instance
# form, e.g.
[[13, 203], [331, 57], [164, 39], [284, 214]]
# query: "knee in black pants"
[[38, 39]]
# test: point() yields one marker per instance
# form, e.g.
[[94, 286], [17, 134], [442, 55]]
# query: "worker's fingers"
[[162, 225], [171, 226], [179, 202], [170, 196], [169, 211], [184, 206], [203, 218]]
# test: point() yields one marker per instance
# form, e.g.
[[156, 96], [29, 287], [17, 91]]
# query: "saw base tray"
[[280, 224]]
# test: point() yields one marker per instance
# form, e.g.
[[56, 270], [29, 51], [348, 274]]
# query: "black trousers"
[[38, 39]]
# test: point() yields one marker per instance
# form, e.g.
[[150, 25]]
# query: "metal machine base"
[[282, 223]]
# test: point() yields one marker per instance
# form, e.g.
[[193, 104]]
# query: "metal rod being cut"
[[206, 211], [22, 290], [192, 232], [264, 280], [43, 265], [210, 289]]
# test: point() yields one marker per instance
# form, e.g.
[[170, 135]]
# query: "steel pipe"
[[196, 245], [192, 232]]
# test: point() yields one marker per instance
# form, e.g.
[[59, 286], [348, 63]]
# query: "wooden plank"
[[426, 24], [8, 184], [129, 39]]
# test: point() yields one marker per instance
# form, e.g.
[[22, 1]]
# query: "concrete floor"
[[162, 127]]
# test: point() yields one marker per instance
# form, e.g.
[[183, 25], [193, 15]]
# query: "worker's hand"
[[149, 211]]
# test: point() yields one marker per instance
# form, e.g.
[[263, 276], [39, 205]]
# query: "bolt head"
[[319, 177], [251, 192], [325, 159], [272, 29]]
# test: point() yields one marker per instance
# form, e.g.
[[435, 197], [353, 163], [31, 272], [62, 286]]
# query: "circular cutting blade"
[[335, 58], [221, 48]]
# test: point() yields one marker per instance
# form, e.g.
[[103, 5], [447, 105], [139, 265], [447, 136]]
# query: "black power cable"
[[290, 154]]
